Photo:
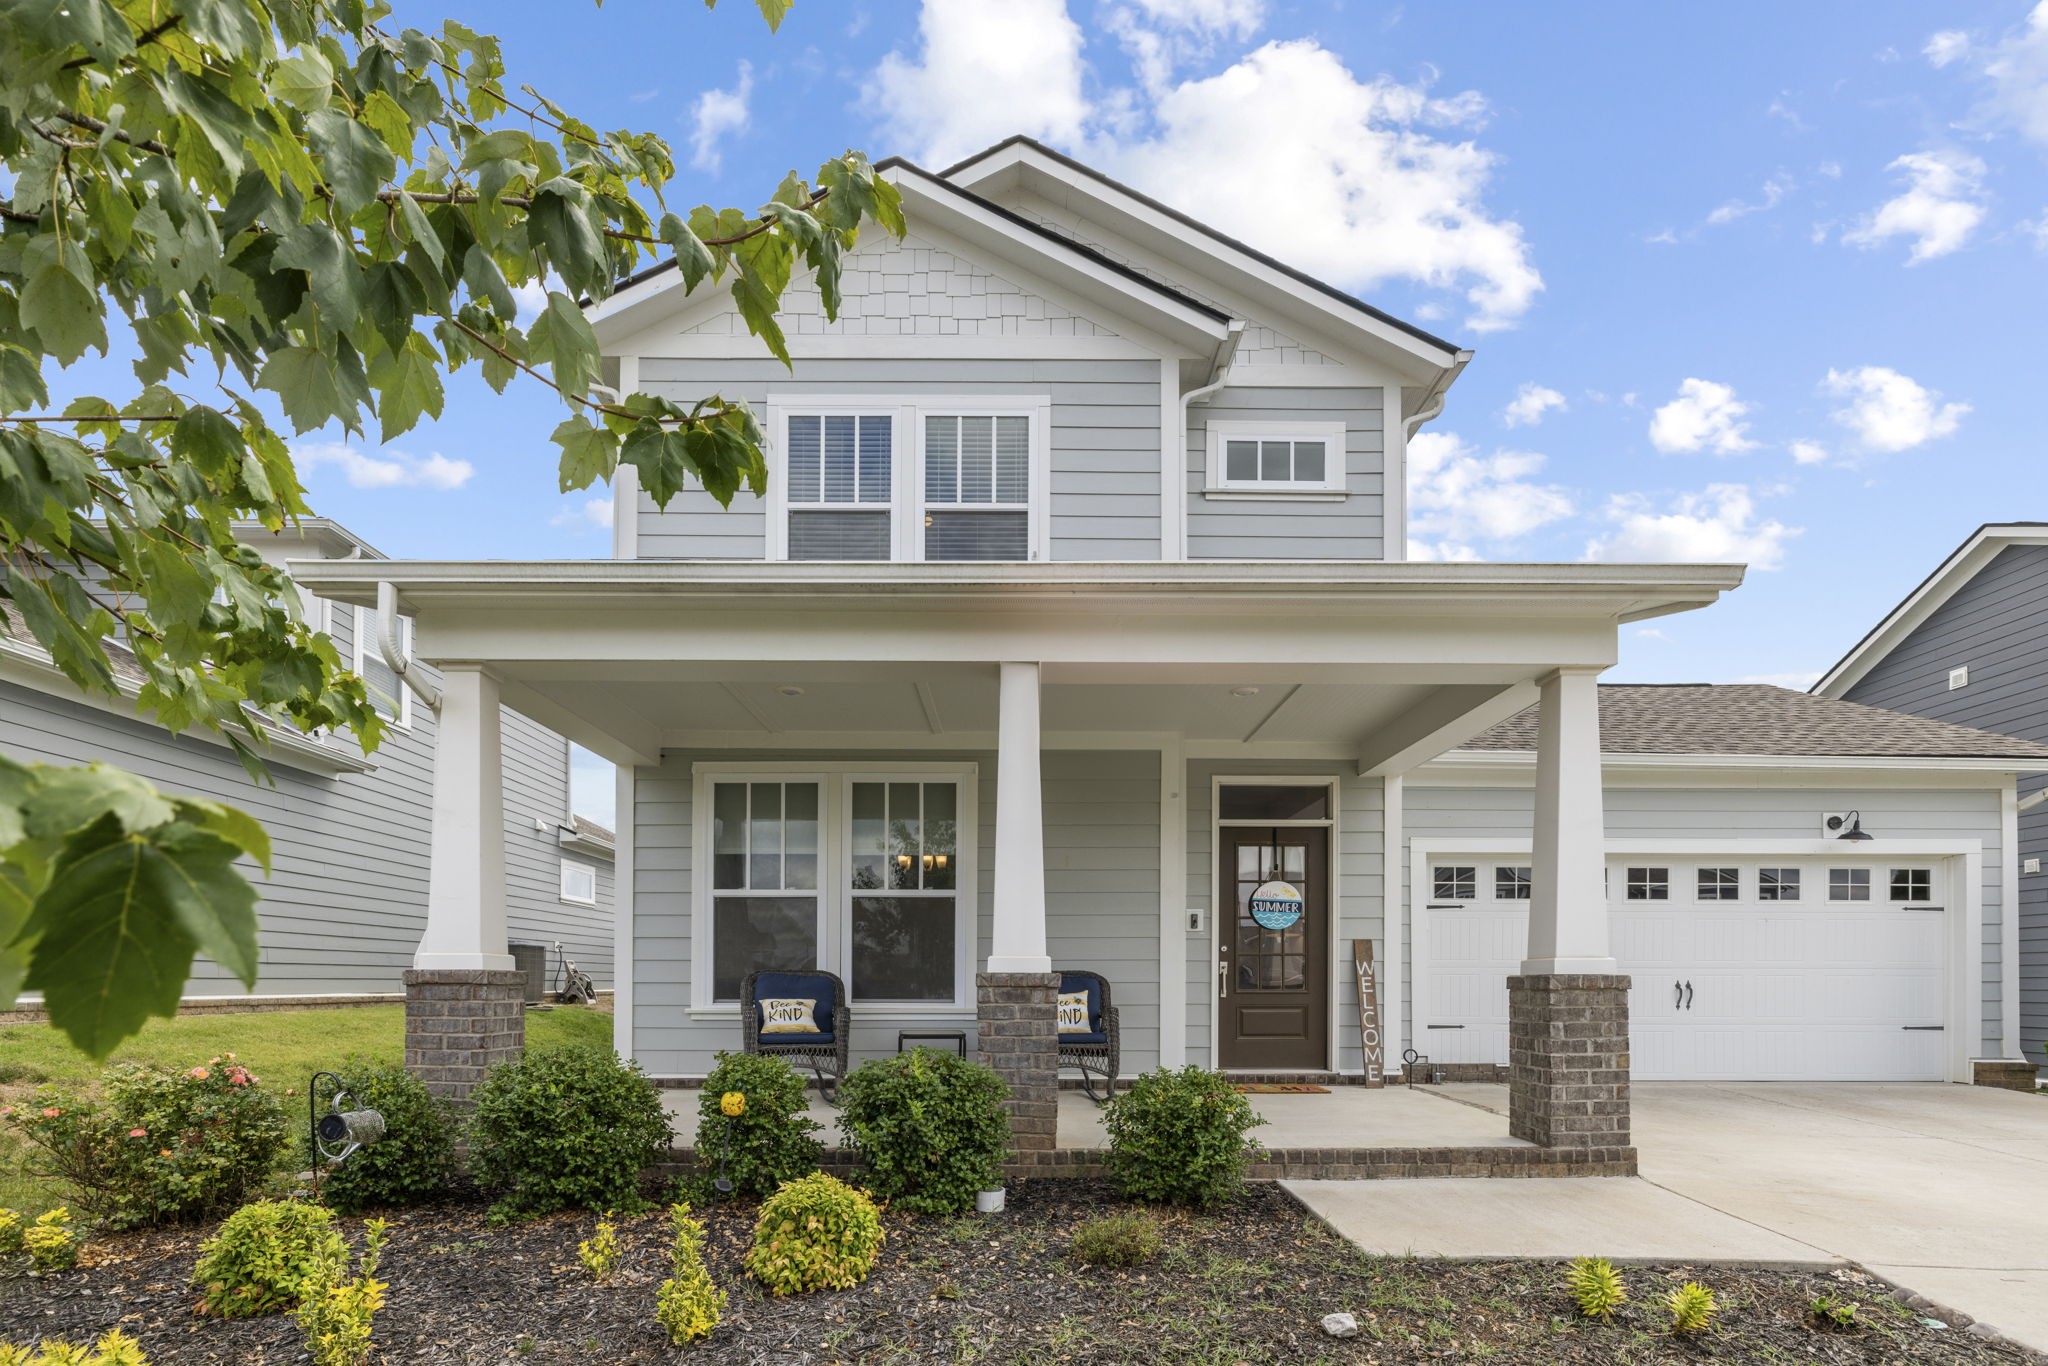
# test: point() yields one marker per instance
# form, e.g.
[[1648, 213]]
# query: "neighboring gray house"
[[342, 912], [1970, 645]]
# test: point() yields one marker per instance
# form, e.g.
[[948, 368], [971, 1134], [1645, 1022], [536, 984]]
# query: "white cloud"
[[1717, 525], [1650, 633], [1463, 500], [1946, 46], [1356, 180], [1530, 403], [591, 513], [1939, 208], [1704, 416], [1889, 411], [716, 114], [1808, 452], [389, 469], [1775, 189], [985, 69], [2018, 71], [1800, 680]]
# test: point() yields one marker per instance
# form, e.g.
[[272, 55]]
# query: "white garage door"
[[1745, 970]]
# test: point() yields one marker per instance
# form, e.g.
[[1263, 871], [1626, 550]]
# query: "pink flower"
[[198, 1074], [51, 1112], [231, 1057], [138, 1133]]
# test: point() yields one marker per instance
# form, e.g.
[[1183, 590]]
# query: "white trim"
[[2009, 1041], [626, 479], [834, 899], [1393, 921], [625, 962], [570, 865], [1483, 761], [662, 343], [1963, 1012], [1173, 464], [1173, 906], [1221, 431], [1393, 479], [403, 720]]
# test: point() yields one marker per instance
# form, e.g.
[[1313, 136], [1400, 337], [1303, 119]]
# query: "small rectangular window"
[[1912, 884], [1278, 457], [386, 691], [1238, 803], [1777, 884], [1719, 884], [1848, 884], [1455, 883], [1511, 883], [579, 882], [1649, 884]]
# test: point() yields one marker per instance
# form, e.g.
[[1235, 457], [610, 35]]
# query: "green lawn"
[[284, 1048]]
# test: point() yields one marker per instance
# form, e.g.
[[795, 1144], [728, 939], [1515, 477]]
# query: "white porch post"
[[1018, 941], [1568, 894], [466, 878]]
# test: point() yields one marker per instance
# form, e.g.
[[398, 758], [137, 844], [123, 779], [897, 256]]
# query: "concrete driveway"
[[1943, 1189]]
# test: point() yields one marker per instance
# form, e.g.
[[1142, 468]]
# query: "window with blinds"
[[977, 487], [386, 691], [840, 486]]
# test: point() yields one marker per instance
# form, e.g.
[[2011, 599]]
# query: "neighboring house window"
[[387, 692], [1649, 884], [1777, 884], [841, 483], [1912, 884], [1848, 884], [579, 883], [977, 487], [902, 869], [1719, 884], [1459, 883], [1276, 457], [764, 880], [1511, 884]]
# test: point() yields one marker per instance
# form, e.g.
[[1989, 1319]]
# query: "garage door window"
[[1719, 884], [1912, 884], [1649, 884], [1777, 884], [1456, 883], [1510, 884], [1848, 884]]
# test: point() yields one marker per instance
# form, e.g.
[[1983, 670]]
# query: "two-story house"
[[1078, 611], [1970, 645], [342, 911]]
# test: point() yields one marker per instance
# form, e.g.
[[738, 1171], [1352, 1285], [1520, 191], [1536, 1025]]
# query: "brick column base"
[[2007, 1074], [458, 1022], [1568, 1060], [1018, 1013]]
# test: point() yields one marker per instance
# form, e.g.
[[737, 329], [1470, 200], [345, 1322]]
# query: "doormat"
[[1279, 1088]]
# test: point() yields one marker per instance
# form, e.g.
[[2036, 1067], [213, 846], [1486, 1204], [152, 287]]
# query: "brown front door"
[[1275, 972]]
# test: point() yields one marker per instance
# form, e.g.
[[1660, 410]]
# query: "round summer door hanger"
[[1276, 905]]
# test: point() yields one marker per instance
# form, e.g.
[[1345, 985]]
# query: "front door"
[[1274, 974]]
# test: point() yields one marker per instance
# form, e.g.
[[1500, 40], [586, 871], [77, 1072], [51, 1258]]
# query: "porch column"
[[1016, 997], [1568, 1008], [464, 1003]]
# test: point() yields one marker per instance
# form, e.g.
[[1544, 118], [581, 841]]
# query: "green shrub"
[[50, 1243], [158, 1145], [1179, 1138], [414, 1161], [599, 1253], [114, 1349], [10, 1232], [565, 1127], [772, 1139], [264, 1257], [816, 1233], [336, 1314], [930, 1127], [1692, 1309], [1117, 1240], [1596, 1287], [688, 1305]]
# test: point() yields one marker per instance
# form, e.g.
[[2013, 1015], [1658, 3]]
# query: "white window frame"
[[1331, 488], [363, 645], [906, 459], [835, 898], [570, 865]]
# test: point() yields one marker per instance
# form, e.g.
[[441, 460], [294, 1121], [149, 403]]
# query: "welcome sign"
[[1276, 905], [1368, 1011]]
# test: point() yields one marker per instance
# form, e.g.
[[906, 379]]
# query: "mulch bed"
[[1246, 1284]]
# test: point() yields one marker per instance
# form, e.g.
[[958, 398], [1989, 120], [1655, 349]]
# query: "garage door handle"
[[1936, 1028], [1678, 996], [1688, 996], [1443, 1026]]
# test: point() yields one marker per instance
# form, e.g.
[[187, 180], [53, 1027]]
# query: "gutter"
[[1434, 398], [1219, 369], [394, 658], [2032, 800]]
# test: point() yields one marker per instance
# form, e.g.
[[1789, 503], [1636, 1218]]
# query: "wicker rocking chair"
[[826, 1051], [1098, 1050]]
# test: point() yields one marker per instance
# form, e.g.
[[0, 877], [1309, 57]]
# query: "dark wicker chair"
[[1098, 1052], [826, 1051]]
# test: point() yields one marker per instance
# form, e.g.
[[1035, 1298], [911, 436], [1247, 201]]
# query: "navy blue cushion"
[[1070, 983], [771, 986]]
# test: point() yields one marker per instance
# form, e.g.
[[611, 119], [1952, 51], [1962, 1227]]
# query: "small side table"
[[955, 1037]]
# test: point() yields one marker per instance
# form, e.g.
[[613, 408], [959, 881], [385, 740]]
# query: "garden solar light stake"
[[337, 1134]]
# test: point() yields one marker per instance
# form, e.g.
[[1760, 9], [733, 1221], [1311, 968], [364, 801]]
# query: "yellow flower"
[[733, 1103]]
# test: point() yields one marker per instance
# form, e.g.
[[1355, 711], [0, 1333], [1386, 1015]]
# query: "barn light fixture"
[[1849, 827]]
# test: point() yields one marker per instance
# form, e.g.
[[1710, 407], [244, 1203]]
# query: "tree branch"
[[142, 39], [93, 125]]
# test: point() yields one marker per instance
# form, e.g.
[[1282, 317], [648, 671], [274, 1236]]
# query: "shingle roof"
[[1754, 718], [589, 829]]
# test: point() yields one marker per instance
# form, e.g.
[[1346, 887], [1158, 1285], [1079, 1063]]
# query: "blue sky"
[[1745, 281]]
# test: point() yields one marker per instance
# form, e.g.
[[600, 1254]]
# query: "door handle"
[[1222, 978], [1688, 995]]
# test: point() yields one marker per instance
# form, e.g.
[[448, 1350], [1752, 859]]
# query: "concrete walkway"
[[1939, 1188]]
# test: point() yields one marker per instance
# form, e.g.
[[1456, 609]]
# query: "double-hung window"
[[1299, 458], [841, 486], [764, 880], [902, 897], [977, 486]]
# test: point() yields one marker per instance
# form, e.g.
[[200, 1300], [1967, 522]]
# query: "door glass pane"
[[1274, 803], [870, 836], [941, 836], [760, 934], [729, 835], [1777, 884], [902, 948], [1271, 958]]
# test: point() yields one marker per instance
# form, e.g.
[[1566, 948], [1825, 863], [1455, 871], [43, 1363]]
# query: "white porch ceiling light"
[[1247, 690], [790, 690]]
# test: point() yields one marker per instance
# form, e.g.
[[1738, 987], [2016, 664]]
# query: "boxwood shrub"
[[1179, 1138], [930, 1127], [414, 1161], [565, 1127], [772, 1139]]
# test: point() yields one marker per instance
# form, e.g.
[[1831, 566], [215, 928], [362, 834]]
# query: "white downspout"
[[1219, 371], [1433, 402], [394, 658]]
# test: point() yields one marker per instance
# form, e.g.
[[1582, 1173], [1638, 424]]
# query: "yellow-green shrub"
[[816, 1233], [115, 1349], [10, 1232], [336, 1314], [1596, 1287], [1117, 1240], [50, 1244], [265, 1256], [1692, 1309], [688, 1305], [599, 1253]]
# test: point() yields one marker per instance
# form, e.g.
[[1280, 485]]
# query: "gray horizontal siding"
[[1353, 529]]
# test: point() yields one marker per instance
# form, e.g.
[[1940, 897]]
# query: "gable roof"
[[1757, 719], [1948, 578]]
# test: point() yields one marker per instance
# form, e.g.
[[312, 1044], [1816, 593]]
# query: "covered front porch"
[[1063, 741]]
